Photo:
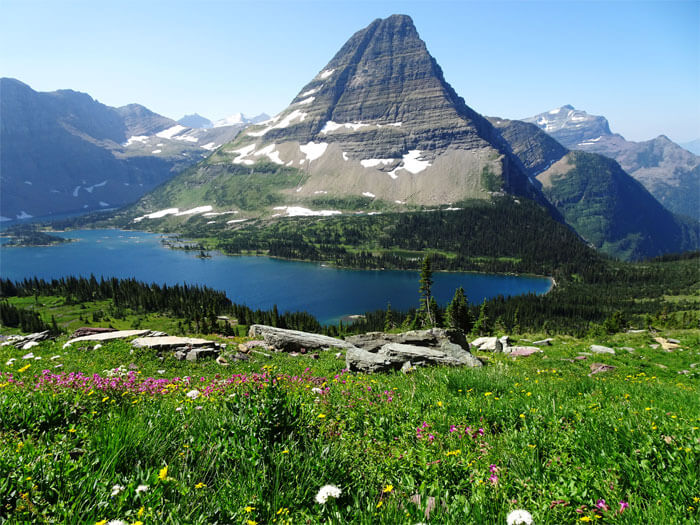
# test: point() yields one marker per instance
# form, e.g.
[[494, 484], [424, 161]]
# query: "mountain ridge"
[[668, 171]]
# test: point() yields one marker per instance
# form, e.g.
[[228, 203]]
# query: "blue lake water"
[[259, 282]]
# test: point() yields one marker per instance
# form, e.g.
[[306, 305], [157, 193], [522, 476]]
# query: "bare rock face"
[[382, 352], [294, 340]]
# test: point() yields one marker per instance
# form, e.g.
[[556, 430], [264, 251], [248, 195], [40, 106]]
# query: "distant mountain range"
[[380, 128], [198, 121], [64, 152], [670, 172]]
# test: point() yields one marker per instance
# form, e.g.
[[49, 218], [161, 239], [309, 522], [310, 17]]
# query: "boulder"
[[522, 351], [359, 360], [598, 349], [22, 341], [544, 342], [108, 336], [491, 344], [293, 340], [197, 354], [423, 356], [169, 342], [434, 337], [597, 368], [91, 330]]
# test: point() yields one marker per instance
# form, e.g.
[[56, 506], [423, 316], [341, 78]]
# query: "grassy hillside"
[[612, 210], [107, 434]]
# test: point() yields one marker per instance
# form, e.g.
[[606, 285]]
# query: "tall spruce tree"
[[426, 283], [483, 324], [458, 316]]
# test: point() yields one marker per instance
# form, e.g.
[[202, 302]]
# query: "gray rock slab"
[[434, 338], [170, 342], [197, 354], [359, 360], [420, 355], [599, 349], [108, 336], [294, 340], [543, 342], [523, 351]]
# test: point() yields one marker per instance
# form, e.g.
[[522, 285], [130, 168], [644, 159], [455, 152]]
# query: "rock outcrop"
[[382, 352], [293, 340]]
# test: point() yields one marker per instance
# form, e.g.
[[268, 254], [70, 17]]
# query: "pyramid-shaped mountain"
[[379, 122]]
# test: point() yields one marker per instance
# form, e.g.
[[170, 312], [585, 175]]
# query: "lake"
[[259, 282]]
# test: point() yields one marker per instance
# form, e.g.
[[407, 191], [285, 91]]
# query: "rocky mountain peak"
[[381, 95], [571, 126]]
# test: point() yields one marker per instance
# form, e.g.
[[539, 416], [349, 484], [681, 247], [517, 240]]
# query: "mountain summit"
[[380, 120]]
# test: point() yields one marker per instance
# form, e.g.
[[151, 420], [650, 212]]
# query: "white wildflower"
[[160, 371], [141, 488], [117, 522], [193, 394], [55, 357], [10, 361], [317, 390], [116, 489], [97, 346], [519, 517], [327, 491], [28, 356]]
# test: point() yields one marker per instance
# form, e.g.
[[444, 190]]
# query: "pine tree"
[[458, 316], [388, 323], [482, 325], [426, 283]]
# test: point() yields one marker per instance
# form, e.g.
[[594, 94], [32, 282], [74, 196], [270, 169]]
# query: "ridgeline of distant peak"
[[670, 172], [195, 121], [240, 118], [64, 152]]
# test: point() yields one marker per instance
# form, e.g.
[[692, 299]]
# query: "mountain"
[[693, 146], [240, 118], [380, 129], [605, 205], [195, 121], [64, 152], [669, 172], [378, 125]]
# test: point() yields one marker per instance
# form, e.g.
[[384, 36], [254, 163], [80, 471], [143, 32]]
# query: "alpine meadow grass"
[[99, 435]]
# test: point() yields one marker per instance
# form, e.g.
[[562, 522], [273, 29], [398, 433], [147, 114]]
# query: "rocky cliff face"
[[63, 152], [669, 172], [381, 120]]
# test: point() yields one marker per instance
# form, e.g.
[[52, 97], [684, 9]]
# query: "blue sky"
[[637, 63]]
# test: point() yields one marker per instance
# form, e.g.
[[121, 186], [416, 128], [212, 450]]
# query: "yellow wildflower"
[[163, 473], [24, 368], [388, 488], [101, 522], [249, 508], [380, 503], [200, 485], [321, 416]]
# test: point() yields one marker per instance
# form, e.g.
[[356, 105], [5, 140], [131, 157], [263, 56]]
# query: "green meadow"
[[93, 435]]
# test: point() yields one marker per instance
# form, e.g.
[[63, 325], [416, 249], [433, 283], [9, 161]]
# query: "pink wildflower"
[[452, 428], [623, 506], [602, 505]]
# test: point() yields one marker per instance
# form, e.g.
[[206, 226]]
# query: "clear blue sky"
[[637, 63]]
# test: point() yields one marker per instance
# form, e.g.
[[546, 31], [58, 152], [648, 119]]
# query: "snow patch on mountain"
[[325, 74], [171, 132], [371, 163], [313, 150], [134, 139], [298, 211]]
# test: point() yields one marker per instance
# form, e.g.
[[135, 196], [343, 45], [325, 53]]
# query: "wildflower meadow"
[[113, 435]]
